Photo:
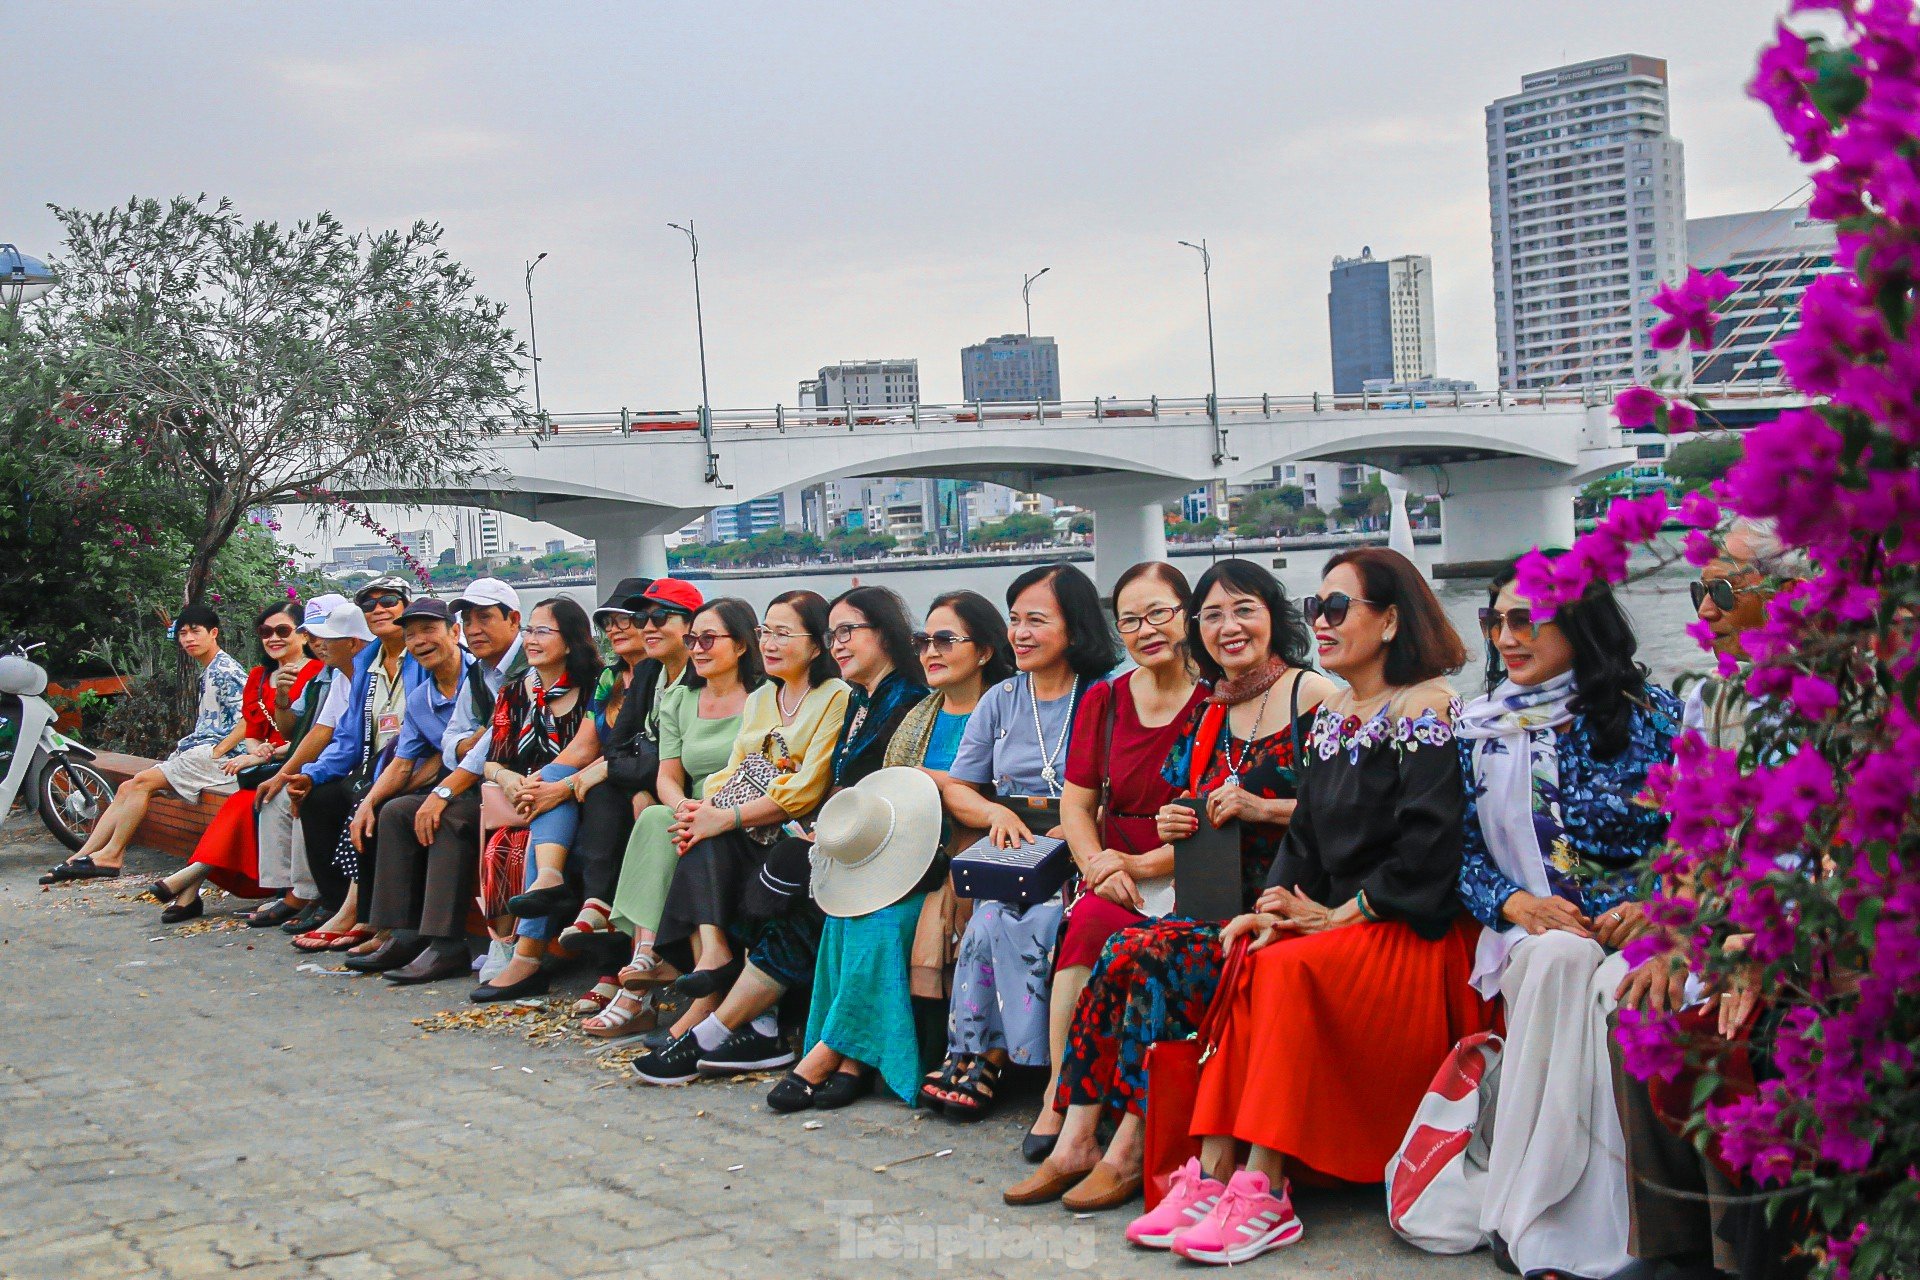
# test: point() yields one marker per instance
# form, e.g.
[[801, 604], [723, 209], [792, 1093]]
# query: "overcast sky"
[[867, 180]]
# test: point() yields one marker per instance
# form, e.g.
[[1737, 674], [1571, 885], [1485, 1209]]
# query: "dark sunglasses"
[[938, 641], [701, 641], [1720, 591], [382, 601], [1331, 607], [1518, 621], [656, 618], [279, 632]]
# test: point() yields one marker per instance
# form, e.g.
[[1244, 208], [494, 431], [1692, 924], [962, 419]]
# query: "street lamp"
[[1026, 295], [23, 278], [700, 328], [1213, 372], [533, 337]]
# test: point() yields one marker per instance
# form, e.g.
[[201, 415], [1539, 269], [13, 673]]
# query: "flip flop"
[[351, 939], [320, 939]]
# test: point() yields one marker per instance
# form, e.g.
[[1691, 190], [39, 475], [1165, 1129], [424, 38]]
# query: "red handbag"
[[1173, 1083]]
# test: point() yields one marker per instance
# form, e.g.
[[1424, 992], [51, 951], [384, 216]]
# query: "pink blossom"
[[1637, 407], [1689, 306]]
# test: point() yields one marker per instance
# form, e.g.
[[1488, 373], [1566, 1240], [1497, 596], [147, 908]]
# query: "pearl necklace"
[[1047, 758], [780, 702]]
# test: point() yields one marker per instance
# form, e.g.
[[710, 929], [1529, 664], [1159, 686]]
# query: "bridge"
[[1505, 464]]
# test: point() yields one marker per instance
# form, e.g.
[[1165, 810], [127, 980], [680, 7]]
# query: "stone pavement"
[[187, 1106]]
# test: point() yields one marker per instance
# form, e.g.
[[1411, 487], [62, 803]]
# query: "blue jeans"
[[555, 826]]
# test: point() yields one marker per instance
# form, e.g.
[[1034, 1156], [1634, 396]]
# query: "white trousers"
[[1556, 1176], [283, 850]]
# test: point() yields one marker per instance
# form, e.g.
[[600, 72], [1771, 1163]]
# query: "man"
[[190, 770], [433, 840], [433, 640], [283, 853]]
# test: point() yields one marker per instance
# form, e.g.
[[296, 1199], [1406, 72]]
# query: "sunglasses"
[[1519, 622], [938, 641], [657, 618], [1720, 591], [280, 632], [1332, 607], [1158, 616], [701, 641], [844, 632], [383, 601]]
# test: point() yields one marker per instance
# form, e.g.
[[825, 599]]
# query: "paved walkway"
[[187, 1103]]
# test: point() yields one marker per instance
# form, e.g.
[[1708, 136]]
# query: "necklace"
[[1047, 758], [1253, 731], [780, 701]]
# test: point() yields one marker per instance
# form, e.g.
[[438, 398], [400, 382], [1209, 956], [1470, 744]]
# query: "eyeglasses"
[[938, 641], [280, 632], [545, 633], [1241, 613], [382, 601], [1517, 621], [657, 618], [844, 632], [1332, 607], [778, 633], [1720, 591], [1158, 616]]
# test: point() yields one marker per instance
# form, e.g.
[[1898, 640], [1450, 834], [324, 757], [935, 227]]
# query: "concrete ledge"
[[171, 825]]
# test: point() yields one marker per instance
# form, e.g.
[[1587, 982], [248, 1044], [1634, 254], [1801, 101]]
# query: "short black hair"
[[1091, 650], [1287, 636], [197, 615], [985, 627]]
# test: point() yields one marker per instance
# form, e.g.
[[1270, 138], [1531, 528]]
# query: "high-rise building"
[[419, 544], [478, 535], [1380, 319], [860, 382], [1013, 366], [1589, 208], [745, 519], [1772, 256]]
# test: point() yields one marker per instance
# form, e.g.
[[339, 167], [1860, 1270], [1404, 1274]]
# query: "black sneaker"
[[745, 1050], [671, 1065]]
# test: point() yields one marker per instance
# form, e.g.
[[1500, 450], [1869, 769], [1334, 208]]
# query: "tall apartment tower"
[[1013, 366], [1589, 205], [1771, 256], [1380, 320], [859, 382]]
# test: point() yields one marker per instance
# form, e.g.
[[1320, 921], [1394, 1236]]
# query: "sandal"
[[942, 1080], [353, 937], [627, 1015], [319, 939], [974, 1087], [597, 999], [595, 920], [80, 869], [274, 913], [638, 977]]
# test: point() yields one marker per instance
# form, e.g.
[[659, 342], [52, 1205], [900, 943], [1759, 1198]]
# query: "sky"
[[866, 180]]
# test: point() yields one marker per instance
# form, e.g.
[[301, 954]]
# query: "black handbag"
[[633, 758], [254, 775]]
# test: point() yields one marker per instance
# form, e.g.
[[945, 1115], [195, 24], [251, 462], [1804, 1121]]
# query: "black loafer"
[[159, 892], [1036, 1147], [538, 904], [429, 966], [191, 911], [534, 984], [702, 983], [794, 1092], [843, 1088]]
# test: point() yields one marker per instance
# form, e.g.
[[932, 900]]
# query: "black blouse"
[[1381, 811]]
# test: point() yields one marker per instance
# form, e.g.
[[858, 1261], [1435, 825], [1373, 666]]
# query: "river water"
[[1658, 604]]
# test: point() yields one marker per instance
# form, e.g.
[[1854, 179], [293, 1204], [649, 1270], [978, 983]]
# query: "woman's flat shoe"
[[538, 904], [1043, 1185], [191, 911], [1036, 1147], [1102, 1188], [794, 1092], [702, 983], [159, 892], [534, 984], [842, 1088]]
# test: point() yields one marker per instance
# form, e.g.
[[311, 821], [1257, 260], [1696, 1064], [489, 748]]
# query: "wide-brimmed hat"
[[874, 840]]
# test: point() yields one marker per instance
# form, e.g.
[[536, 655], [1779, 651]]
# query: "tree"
[[1081, 524], [859, 544], [1696, 463], [446, 556], [1595, 497], [1021, 528], [257, 364]]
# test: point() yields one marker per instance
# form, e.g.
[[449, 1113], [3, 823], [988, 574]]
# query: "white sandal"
[[628, 1015]]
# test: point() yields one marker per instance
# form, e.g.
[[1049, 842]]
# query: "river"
[[1657, 604]]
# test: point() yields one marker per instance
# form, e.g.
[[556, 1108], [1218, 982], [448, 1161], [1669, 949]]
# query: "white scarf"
[[1501, 724]]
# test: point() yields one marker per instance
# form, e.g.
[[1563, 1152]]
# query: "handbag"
[[503, 870], [1173, 1083], [633, 758], [1023, 876], [753, 779], [1436, 1181], [251, 777]]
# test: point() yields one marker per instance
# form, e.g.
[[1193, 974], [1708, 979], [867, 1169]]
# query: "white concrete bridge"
[[1506, 465]]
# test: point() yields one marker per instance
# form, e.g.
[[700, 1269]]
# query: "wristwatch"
[[443, 791]]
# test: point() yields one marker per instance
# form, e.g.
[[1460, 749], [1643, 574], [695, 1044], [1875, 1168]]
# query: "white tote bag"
[[1436, 1181]]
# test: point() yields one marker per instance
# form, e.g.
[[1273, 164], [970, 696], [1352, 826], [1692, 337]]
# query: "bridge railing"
[[1122, 412]]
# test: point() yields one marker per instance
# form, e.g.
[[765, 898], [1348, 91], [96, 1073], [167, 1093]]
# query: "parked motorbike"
[[41, 767]]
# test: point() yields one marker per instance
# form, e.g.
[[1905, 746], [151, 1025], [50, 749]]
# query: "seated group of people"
[[760, 813]]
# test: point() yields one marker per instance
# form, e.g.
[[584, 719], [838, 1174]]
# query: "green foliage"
[[1206, 528], [1270, 513], [859, 544], [1019, 529], [1696, 463]]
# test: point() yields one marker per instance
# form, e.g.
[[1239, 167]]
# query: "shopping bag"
[[1436, 1181]]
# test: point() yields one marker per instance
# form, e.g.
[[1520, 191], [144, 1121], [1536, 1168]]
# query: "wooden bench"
[[171, 825]]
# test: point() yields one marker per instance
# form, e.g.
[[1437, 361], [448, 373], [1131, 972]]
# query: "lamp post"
[[1213, 372], [23, 278], [533, 338], [1026, 295], [700, 329]]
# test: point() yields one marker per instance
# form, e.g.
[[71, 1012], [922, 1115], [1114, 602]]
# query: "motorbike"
[[46, 771]]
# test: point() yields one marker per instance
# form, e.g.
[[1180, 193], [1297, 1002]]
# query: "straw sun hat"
[[874, 840]]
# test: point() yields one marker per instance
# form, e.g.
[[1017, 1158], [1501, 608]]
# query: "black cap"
[[625, 594], [428, 607]]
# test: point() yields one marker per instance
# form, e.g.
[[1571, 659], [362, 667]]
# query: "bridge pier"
[[1494, 510]]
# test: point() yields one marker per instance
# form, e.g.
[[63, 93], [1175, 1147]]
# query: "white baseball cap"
[[346, 622], [483, 591], [319, 608]]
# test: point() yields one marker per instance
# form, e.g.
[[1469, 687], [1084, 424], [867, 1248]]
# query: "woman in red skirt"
[[229, 852], [1357, 985]]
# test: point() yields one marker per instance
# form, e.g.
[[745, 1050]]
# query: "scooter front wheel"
[[72, 798]]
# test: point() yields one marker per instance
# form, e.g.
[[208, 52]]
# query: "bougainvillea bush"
[[1806, 847]]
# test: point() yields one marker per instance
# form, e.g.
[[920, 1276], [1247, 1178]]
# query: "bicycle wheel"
[[72, 798]]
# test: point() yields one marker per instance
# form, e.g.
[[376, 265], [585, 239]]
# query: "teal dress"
[[862, 1006]]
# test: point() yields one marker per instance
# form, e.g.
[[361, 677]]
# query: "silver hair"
[[1766, 552]]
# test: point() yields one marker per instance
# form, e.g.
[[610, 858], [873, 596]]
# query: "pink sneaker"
[[1247, 1221], [1190, 1197]]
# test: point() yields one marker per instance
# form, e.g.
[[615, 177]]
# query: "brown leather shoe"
[[1048, 1182], [1102, 1189]]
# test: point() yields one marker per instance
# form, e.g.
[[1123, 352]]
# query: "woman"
[[699, 720], [792, 722], [1356, 987], [1237, 750], [228, 852], [1556, 753], [1016, 746], [533, 720]]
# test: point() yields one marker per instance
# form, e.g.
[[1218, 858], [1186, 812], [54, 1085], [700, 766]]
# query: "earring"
[[1386, 637]]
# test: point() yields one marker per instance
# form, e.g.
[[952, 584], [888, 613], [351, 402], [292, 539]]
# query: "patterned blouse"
[[1606, 834], [223, 687]]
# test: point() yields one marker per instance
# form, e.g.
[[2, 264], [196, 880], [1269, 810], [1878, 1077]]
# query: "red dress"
[[230, 844], [1137, 793]]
